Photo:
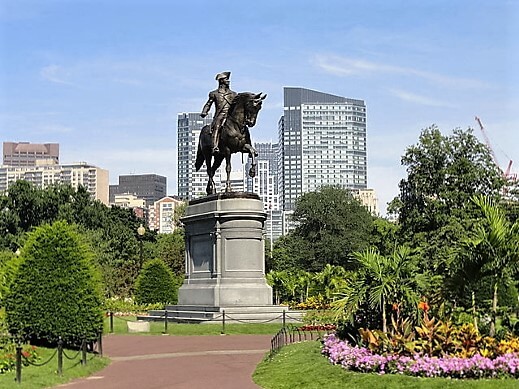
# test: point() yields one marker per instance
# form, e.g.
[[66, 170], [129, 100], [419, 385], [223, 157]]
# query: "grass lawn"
[[302, 366], [34, 377], [157, 328]]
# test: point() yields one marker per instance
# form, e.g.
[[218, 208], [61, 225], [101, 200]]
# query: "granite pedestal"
[[225, 255], [225, 264]]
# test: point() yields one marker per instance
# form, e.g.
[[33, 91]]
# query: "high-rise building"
[[26, 154], [265, 185], [322, 141], [47, 172], [191, 184], [150, 187], [237, 179]]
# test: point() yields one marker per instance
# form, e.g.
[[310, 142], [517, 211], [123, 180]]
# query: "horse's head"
[[253, 106]]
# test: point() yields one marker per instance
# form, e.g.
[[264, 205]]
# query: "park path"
[[164, 362]]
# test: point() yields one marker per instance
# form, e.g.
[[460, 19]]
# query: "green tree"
[[494, 246], [156, 284], [276, 279], [290, 252], [434, 207], [56, 291], [334, 224], [329, 281], [384, 235], [171, 249], [380, 281], [112, 230], [9, 263]]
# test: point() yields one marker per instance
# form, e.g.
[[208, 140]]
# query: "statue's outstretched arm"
[[207, 106]]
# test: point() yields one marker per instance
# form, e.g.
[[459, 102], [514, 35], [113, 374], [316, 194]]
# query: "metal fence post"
[[19, 364], [223, 322], [83, 352], [166, 321], [111, 322], [100, 344], [60, 356], [284, 317]]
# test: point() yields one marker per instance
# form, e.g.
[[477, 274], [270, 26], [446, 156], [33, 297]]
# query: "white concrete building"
[[47, 172], [162, 215]]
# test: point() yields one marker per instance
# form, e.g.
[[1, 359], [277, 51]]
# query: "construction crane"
[[507, 174]]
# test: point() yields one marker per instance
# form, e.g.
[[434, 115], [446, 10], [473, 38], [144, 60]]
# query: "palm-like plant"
[[276, 279], [379, 281], [329, 281], [495, 246]]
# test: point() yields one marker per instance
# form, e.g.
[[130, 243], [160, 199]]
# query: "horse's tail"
[[203, 141], [199, 157]]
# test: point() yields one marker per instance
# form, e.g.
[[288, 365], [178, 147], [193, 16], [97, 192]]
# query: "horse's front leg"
[[228, 171], [209, 189], [253, 154]]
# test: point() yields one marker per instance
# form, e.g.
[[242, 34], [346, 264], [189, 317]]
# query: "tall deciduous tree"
[[290, 252], [171, 249], [334, 224], [443, 173]]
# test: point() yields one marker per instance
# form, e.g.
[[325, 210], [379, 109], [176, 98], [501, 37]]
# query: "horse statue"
[[234, 138]]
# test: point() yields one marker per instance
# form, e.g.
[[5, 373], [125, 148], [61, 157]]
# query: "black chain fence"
[[96, 348], [223, 318]]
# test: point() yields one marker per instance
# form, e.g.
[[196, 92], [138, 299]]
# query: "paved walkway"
[[164, 362]]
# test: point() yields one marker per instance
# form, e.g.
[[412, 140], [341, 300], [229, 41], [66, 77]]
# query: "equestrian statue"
[[229, 132]]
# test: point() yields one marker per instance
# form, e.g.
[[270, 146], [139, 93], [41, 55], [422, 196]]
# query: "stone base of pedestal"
[[209, 314], [233, 294], [225, 255]]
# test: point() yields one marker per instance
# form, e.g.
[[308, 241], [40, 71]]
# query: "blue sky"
[[106, 79]]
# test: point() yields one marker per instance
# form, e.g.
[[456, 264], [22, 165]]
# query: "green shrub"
[[9, 263], [127, 306], [156, 284], [56, 291]]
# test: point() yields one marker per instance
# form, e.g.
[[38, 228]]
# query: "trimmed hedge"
[[56, 291], [156, 284]]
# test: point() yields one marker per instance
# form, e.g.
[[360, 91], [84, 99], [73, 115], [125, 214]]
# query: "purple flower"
[[363, 360]]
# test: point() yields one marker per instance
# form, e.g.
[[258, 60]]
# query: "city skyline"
[[107, 80]]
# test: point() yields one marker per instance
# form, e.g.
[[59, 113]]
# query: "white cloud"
[[54, 129], [418, 99], [56, 74], [344, 67]]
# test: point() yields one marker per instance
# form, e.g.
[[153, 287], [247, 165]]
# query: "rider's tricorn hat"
[[221, 75]]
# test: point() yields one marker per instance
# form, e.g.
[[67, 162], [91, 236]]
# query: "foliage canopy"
[[56, 291]]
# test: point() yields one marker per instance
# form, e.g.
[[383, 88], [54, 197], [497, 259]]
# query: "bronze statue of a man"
[[222, 98]]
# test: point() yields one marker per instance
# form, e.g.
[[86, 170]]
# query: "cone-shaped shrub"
[[156, 284], [56, 291]]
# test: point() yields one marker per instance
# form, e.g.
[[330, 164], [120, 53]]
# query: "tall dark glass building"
[[150, 187], [322, 141]]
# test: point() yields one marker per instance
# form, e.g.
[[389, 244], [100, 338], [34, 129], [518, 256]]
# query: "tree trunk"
[[474, 313], [494, 312]]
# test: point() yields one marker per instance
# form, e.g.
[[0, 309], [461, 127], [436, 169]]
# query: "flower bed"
[[318, 327], [8, 356], [363, 360]]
